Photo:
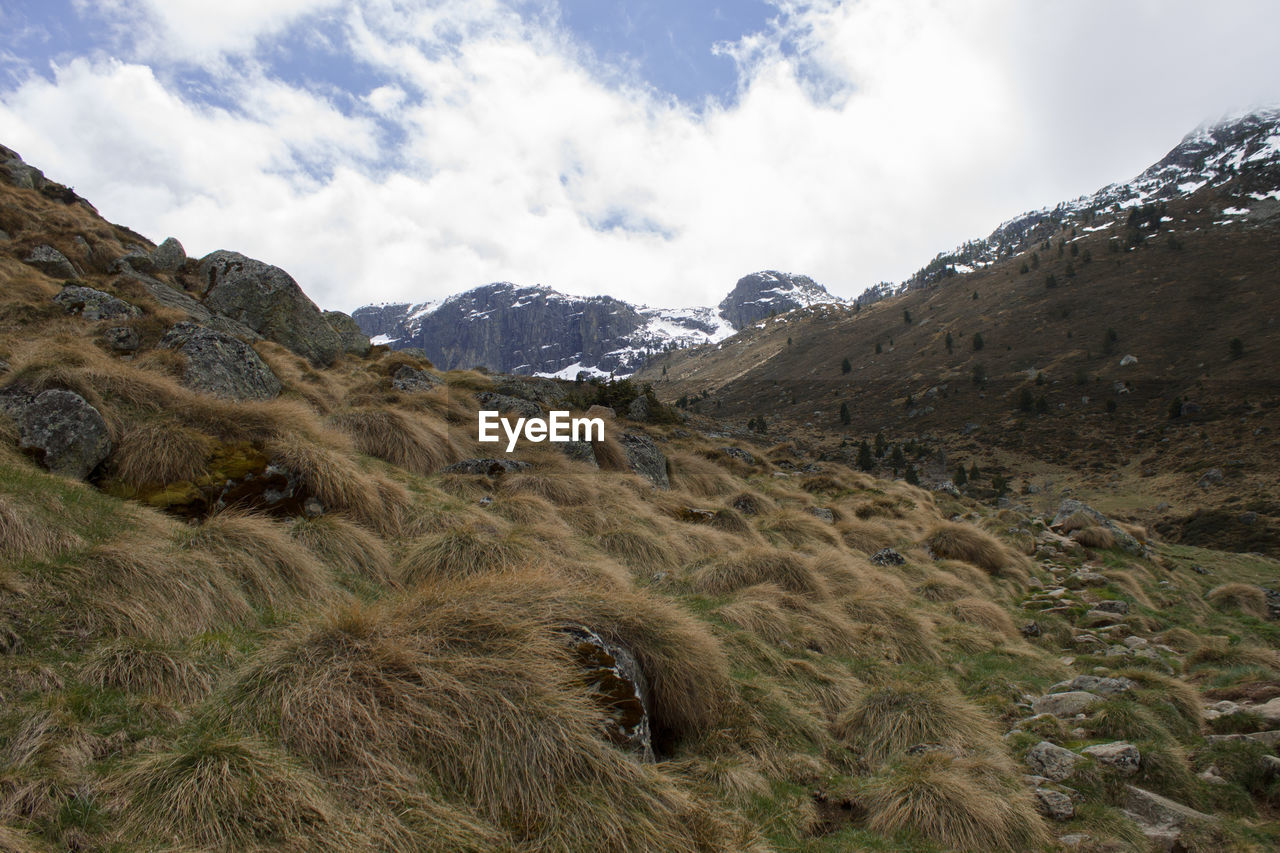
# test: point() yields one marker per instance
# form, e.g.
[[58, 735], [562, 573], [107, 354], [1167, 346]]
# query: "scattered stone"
[[1271, 766], [617, 685], [1075, 839], [65, 434], [1095, 684], [1121, 756], [135, 261], [169, 256], [51, 262], [485, 467], [888, 557], [354, 341], [220, 364], [1121, 607], [1066, 704], [94, 304], [604, 412], [312, 508], [639, 410], [1031, 629], [410, 379], [1051, 761], [1135, 642], [740, 454], [1271, 738], [267, 299], [580, 451], [1054, 804], [1212, 477], [823, 514], [122, 339], [1084, 578], [645, 458], [1211, 775], [1128, 360], [1070, 507], [1269, 711], [1160, 818]]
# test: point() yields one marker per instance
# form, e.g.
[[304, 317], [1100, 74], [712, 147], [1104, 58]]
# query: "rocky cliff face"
[[537, 330]]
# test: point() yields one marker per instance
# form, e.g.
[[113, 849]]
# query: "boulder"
[[580, 451], [1122, 757], [639, 410], [822, 514], [1212, 477], [1269, 711], [1054, 804], [1066, 704], [121, 339], [645, 458], [618, 687], [410, 379], [739, 454], [267, 299], [169, 256], [604, 412], [220, 364], [509, 405], [1070, 507], [485, 467], [51, 262], [1160, 818], [94, 304], [135, 261], [1082, 578], [1051, 761], [354, 341], [1120, 607], [66, 434]]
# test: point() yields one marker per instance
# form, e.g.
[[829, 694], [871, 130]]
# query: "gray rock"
[[1066, 704], [485, 467], [4, 367], [1051, 761], [1212, 477], [739, 454], [354, 341], [822, 514], [65, 433], [514, 405], [136, 261], [1154, 810], [639, 410], [1271, 738], [1122, 757], [267, 299], [21, 175], [169, 256], [1075, 580], [887, 557], [580, 451], [51, 262], [1095, 684], [410, 380], [220, 364], [122, 339], [1075, 839], [617, 685], [645, 458], [1054, 804], [1121, 607], [1070, 507], [604, 412], [94, 304]]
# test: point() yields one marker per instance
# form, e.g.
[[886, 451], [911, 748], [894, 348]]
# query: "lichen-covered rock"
[[618, 686], [580, 451], [822, 514], [1122, 757], [1066, 704], [1051, 761], [639, 410], [66, 434], [410, 379], [354, 341], [645, 458], [509, 405], [739, 454], [1054, 804], [121, 339], [485, 467], [887, 557], [220, 364], [169, 256], [1095, 684], [51, 262], [94, 304], [267, 299]]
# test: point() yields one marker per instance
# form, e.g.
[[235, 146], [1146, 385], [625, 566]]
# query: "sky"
[[654, 150]]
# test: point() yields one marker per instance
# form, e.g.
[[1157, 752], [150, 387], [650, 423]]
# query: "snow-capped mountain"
[[1234, 164], [540, 331]]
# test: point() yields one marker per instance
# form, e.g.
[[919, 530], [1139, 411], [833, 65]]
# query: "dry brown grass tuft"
[[699, 477], [465, 688], [1241, 597], [790, 528], [965, 542], [140, 586], [955, 803], [638, 543], [25, 533], [274, 571], [467, 549], [345, 547], [942, 586], [888, 621], [227, 792], [562, 489], [1137, 531], [889, 718], [984, 614], [339, 483], [1094, 536], [395, 437], [160, 451], [753, 566], [865, 535], [786, 619], [142, 666]]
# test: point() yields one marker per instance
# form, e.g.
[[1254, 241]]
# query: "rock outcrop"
[[94, 304], [767, 293], [220, 364], [66, 434], [645, 458], [354, 341]]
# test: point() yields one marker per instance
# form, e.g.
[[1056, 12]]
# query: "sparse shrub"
[[978, 342], [984, 614], [1243, 597], [1237, 348], [965, 542], [845, 366], [888, 719]]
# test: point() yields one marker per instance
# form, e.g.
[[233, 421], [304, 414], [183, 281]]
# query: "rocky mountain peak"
[[763, 294]]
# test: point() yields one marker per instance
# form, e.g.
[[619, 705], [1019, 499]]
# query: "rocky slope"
[[539, 331]]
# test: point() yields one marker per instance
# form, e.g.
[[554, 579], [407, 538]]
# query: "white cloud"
[[489, 149]]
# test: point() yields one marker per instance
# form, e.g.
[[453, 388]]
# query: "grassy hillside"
[[393, 672]]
